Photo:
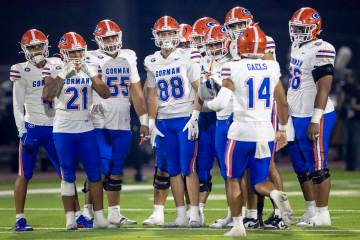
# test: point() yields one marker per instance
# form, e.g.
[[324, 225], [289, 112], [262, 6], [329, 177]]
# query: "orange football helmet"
[[252, 42], [304, 25], [216, 42], [166, 32], [105, 29], [237, 20], [199, 29], [29, 42], [71, 42], [185, 35]]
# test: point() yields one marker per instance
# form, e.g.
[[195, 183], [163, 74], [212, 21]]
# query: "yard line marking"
[[170, 209]]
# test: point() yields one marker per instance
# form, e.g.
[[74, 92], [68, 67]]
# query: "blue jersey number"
[[71, 104], [295, 78], [176, 88], [263, 92], [117, 85]]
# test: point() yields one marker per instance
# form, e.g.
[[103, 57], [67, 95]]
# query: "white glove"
[[88, 71], [97, 109], [192, 126], [67, 71], [154, 132]]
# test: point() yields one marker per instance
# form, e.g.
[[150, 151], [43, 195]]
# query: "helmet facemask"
[[110, 43], [300, 33], [166, 39], [36, 52], [236, 28], [69, 55], [216, 49]]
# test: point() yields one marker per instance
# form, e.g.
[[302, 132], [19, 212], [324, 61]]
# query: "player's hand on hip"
[[192, 126], [313, 131], [281, 140]]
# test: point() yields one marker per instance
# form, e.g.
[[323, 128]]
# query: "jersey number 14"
[[263, 92]]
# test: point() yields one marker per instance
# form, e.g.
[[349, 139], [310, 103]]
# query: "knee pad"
[[112, 184], [161, 182], [206, 186], [67, 188], [304, 177], [85, 188], [321, 175]]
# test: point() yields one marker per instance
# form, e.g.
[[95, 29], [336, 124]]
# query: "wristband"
[[282, 127], [144, 119], [317, 115]]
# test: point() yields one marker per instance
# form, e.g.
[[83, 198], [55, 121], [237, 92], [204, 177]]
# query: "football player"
[[71, 84], [237, 20], [312, 111], [251, 136], [172, 84], [111, 117], [35, 124], [185, 36]]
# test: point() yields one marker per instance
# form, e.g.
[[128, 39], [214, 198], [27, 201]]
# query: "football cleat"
[[22, 226], [195, 223], [251, 223], [274, 222], [222, 222], [236, 232], [83, 222], [71, 226], [121, 221], [154, 220], [305, 217], [281, 200], [319, 220], [177, 223]]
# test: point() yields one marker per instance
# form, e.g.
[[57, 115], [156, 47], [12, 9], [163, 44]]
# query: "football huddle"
[[212, 93]]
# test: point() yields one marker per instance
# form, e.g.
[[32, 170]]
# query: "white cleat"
[[195, 223], [238, 231], [154, 220], [221, 223], [121, 220], [202, 218], [177, 223], [101, 223], [305, 218], [319, 220], [71, 226], [281, 200]]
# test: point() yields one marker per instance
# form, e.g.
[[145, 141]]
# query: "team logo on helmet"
[[245, 11], [315, 16], [223, 29], [210, 24], [27, 69], [58, 67], [62, 40], [100, 57]]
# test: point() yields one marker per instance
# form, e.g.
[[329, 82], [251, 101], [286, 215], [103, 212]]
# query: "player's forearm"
[[100, 87], [151, 103], [52, 88], [18, 106], [138, 99], [221, 100]]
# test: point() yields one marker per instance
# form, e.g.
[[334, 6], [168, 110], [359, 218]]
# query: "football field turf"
[[45, 213]]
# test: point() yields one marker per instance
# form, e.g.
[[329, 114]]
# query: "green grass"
[[48, 223]]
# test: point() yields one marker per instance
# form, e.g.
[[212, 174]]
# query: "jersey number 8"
[[175, 85]]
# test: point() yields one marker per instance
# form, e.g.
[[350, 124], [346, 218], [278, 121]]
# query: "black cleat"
[[251, 223], [274, 222]]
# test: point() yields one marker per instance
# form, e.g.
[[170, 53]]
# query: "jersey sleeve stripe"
[[14, 76], [324, 56], [14, 71], [326, 51]]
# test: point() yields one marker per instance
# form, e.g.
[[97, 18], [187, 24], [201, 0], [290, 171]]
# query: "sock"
[[19, 216], [243, 211], [277, 212], [252, 213], [88, 211], [70, 217], [99, 215], [194, 212], [159, 209], [114, 211], [310, 206], [77, 214], [181, 212], [322, 209], [238, 222], [201, 207], [229, 212]]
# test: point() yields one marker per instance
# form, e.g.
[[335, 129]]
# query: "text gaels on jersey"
[[118, 73], [172, 77], [37, 111], [302, 87]]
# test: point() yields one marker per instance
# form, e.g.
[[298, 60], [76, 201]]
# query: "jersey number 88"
[[174, 86]]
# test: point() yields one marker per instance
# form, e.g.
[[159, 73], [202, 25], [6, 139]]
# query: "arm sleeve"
[[221, 100], [19, 89]]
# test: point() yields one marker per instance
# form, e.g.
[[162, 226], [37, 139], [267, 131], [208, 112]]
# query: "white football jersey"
[[28, 85], [302, 87], [118, 73], [172, 77], [72, 114], [254, 81]]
